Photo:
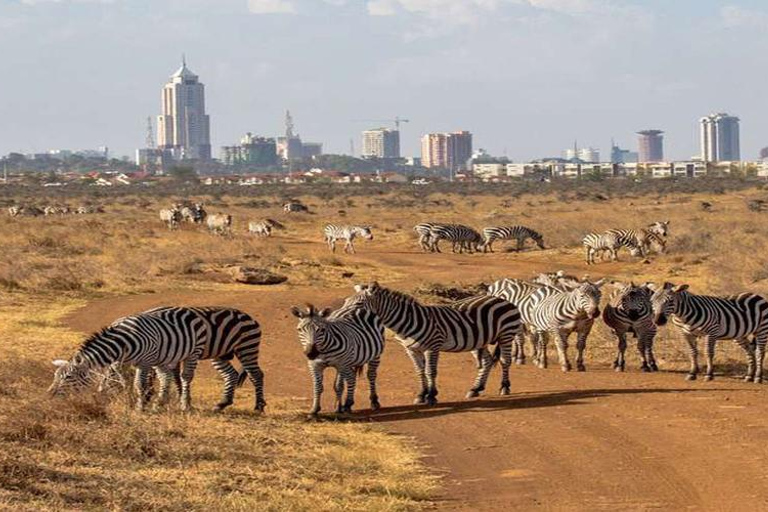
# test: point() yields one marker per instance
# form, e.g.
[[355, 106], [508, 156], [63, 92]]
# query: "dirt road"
[[581, 441]]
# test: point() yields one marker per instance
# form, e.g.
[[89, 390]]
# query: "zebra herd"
[[170, 341], [466, 239], [51, 210]]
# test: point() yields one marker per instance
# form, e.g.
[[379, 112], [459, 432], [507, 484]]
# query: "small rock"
[[251, 275], [347, 275]]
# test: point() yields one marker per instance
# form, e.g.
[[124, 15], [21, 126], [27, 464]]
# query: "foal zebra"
[[518, 233], [346, 339], [629, 310], [462, 237], [347, 233], [468, 325], [717, 318], [562, 312]]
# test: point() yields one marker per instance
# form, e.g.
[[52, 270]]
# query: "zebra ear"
[[297, 312], [668, 285], [681, 288], [650, 285], [560, 273], [359, 288], [374, 286], [599, 283], [60, 362], [324, 312]]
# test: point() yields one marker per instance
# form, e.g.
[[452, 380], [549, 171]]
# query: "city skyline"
[[431, 65]]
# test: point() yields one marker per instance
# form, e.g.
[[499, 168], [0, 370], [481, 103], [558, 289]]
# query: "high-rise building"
[[622, 156], [252, 150], [588, 155], [720, 138], [381, 143], [446, 150], [183, 128], [650, 145]]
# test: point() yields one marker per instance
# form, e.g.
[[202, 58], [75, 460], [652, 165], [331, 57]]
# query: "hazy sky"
[[527, 77]]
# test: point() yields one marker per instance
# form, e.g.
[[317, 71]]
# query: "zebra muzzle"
[[312, 353], [661, 319], [633, 315]]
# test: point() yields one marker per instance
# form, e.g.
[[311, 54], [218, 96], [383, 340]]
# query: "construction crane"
[[397, 120]]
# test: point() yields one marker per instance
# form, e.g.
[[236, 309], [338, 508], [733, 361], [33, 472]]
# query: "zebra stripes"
[[610, 241], [171, 340], [717, 318], [559, 313], [260, 228], [333, 233], [171, 217], [425, 331], [347, 339], [424, 230], [463, 238], [518, 233], [629, 311]]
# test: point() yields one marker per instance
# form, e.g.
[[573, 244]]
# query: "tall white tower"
[[183, 128]]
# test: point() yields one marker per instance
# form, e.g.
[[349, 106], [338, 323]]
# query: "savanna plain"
[[600, 440]]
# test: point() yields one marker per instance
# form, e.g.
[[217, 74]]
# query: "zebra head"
[[659, 228], [538, 239], [665, 301], [633, 300], [312, 329], [70, 375], [588, 297], [364, 232]]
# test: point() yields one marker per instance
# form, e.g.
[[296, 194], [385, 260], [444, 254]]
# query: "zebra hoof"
[[709, 378], [504, 391], [758, 380], [654, 367], [690, 376], [566, 368], [260, 406], [645, 369], [420, 400], [520, 361], [473, 393], [748, 378], [581, 368], [431, 401]]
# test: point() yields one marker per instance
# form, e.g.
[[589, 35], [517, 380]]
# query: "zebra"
[[261, 228], [219, 223], [171, 217], [462, 237], [424, 230], [660, 228], [230, 333], [194, 214], [87, 210], [643, 238], [610, 241], [346, 339], [468, 325], [55, 210], [347, 233], [562, 312], [629, 310], [559, 280], [718, 318], [518, 233], [294, 207], [15, 211]]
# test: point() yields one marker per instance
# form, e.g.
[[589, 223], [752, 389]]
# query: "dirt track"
[[588, 441]]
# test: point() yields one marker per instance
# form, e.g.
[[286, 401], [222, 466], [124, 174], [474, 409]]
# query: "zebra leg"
[[432, 357], [351, 247], [476, 355], [250, 362], [648, 336], [351, 380], [693, 351], [141, 387], [641, 348], [505, 348], [187, 374], [620, 363], [711, 340], [373, 369], [760, 342], [338, 388], [561, 342], [543, 338], [482, 373], [581, 345], [230, 376], [519, 348], [487, 247], [332, 244], [316, 373], [165, 376], [419, 364], [535, 346], [747, 346], [519, 245]]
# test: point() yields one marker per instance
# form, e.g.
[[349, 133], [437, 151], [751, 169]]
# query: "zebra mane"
[[408, 299]]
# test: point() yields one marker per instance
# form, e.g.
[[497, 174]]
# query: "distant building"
[[381, 143], [720, 138], [584, 154], [183, 128], [311, 149], [446, 150], [650, 146], [623, 156], [254, 151]]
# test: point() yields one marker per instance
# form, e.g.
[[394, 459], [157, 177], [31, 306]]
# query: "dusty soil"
[[588, 441]]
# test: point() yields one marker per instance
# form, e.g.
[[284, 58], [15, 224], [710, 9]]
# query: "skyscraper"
[[183, 128], [381, 143], [446, 150], [720, 138], [650, 146]]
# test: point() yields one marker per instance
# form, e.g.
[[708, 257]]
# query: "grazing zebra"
[[610, 241], [560, 313], [261, 228], [629, 310], [219, 223], [347, 339], [87, 210], [424, 230], [462, 237], [518, 233], [194, 214], [295, 208], [347, 233], [659, 228], [231, 333], [468, 325], [718, 318], [171, 217], [55, 210], [643, 239]]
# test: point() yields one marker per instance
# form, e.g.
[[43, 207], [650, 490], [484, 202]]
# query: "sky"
[[526, 77]]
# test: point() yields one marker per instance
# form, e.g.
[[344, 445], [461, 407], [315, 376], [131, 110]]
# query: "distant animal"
[[517, 233], [55, 210], [333, 233], [171, 217], [463, 238], [260, 228], [15, 211], [717, 318], [294, 207], [560, 314], [24, 211], [465, 326], [194, 214], [171, 341], [659, 228], [629, 311], [87, 210], [424, 230], [346, 339], [610, 241], [706, 206], [219, 223]]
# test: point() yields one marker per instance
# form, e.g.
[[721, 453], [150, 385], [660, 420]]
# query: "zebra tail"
[[241, 378], [360, 370], [496, 357]]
